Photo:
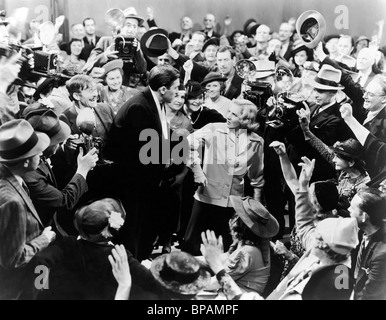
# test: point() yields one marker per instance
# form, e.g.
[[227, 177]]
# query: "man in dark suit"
[[210, 25], [45, 194], [90, 39], [140, 163], [325, 122], [226, 61], [368, 207], [22, 233], [285, 34]]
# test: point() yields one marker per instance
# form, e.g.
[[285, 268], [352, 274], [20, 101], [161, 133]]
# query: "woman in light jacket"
[[232, 150]]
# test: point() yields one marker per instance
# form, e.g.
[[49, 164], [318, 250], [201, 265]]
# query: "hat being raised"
[[19, 141], [155, 42]]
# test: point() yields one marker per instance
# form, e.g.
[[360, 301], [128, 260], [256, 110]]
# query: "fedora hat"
[[264, 68], [131, 12], [300, 46], [46, 121], [112, 65], [19, 141], [194, 90], [311, 27], [322, 284], [211, 42], [247, 24], [251, 29], [211, 77], [154, 43], [328, 78], [340, 234], [180, 273], [99, 216], [255, 216]]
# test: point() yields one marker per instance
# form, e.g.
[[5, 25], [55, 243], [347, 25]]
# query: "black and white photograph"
[[214, 152]]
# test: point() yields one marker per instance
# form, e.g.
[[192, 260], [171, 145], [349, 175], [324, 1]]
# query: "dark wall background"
[[362, 14]]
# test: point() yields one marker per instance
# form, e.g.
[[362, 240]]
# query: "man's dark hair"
[[162, 76], [86, 19], [227, 48], [374, 204]]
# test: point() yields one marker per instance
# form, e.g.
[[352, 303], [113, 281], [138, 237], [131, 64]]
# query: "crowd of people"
[[199, 143]]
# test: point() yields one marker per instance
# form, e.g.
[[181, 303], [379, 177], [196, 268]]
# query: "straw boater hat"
[[19, 141], [328, 78], [180, 273], [255, 216]]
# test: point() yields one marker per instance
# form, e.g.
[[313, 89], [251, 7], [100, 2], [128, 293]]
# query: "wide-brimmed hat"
[[322, 284], [340, 234], [98, 216], [132, 13], [255, 216], [194, 90], [112, 65], [211, 77], [154, 43], [211, 42], [311, 27], [180, 273], [264, 68], [19, 141], [328, 78], [46, 121]]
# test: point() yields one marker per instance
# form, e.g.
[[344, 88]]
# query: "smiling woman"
[[232, 151]]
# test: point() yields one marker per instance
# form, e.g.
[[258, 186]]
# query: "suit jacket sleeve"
[[15, 252], [45, 194]]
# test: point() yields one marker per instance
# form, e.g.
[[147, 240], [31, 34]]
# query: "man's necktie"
[[25, 188], [360, 256]]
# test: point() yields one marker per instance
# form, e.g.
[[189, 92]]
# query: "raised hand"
[[346, 111], [308, 167], [279, 147]]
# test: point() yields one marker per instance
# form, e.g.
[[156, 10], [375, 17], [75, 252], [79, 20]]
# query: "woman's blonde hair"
[[248, 115]]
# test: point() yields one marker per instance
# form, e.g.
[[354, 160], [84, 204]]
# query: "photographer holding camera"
[[125, 46]]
